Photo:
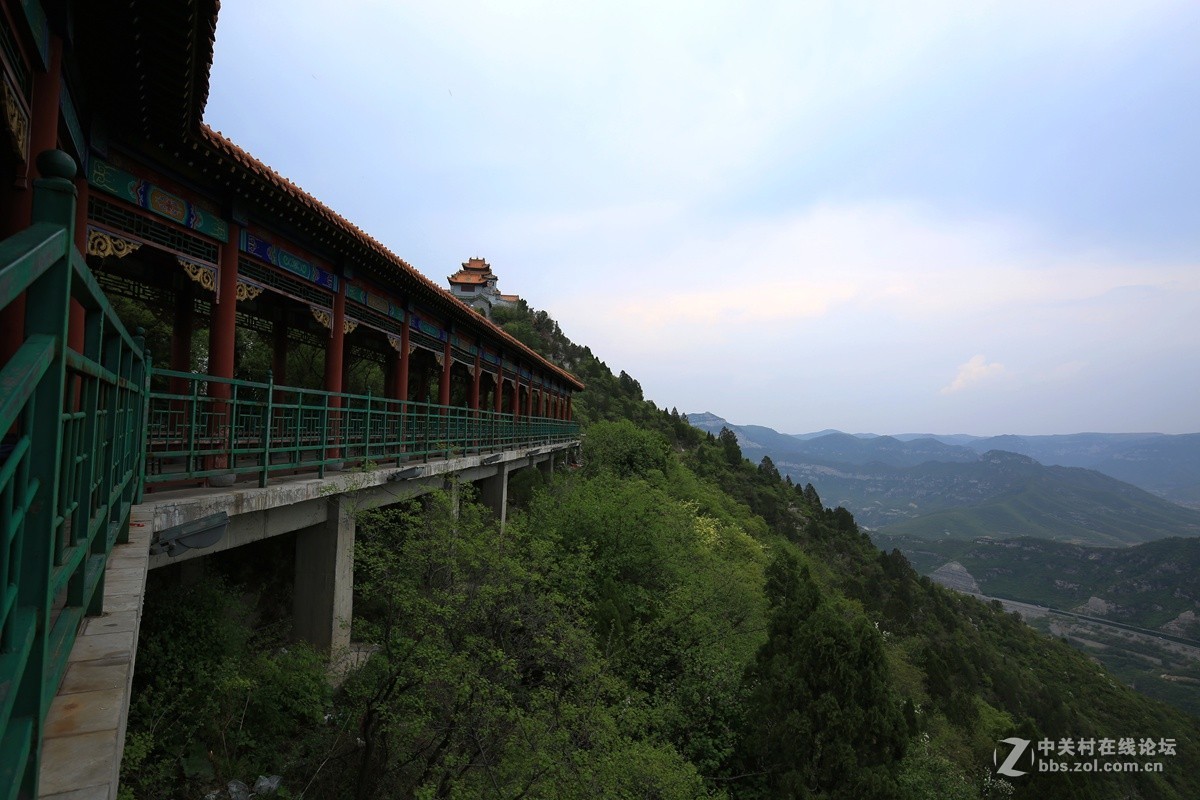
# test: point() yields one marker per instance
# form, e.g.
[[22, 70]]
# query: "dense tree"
[[823, 720], [671, 621]]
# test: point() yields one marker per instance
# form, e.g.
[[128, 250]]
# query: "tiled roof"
[[463, 276], [276, 182]]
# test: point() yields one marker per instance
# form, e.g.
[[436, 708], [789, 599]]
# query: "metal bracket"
[[194, 535]]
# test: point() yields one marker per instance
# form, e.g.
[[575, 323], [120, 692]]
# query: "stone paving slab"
[[85, 729]]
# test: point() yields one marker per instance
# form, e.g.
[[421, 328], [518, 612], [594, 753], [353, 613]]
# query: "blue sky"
[[950, 217]]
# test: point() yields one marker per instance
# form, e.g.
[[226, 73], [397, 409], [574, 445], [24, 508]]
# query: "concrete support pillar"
[[323, 597], [547, 467], [493, 493]]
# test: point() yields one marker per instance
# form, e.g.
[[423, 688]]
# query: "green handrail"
[[195, 431], [70, 461]]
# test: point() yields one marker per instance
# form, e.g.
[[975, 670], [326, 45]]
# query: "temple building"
[[475, 285], [228, 256], [176, 316]]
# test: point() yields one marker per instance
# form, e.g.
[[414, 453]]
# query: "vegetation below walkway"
[[669, 621]]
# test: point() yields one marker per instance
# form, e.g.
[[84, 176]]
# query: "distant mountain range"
[[969, 487], [1152, 585]]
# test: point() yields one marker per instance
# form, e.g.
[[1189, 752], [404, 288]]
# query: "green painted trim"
[[139, 191]]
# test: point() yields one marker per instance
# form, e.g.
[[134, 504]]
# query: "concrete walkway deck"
[[85, 729]]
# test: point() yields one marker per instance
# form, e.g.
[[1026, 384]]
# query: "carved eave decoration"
[[325, 317], [104, 244], [202, 274], [247, 290]]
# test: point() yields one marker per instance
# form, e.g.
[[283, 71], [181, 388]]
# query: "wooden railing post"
[[47, 304]]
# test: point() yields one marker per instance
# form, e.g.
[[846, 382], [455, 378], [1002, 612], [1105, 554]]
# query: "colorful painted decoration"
[[119, 183], [281, 258]]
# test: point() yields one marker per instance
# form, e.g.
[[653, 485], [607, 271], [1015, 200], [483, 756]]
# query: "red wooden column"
[[473, 399], [43, 135], [498, 398], [337, 341], [398, 424], [224, 315], [78, 316], [529, 398], [75, 332], [568, 408], [402, 372], [516, 394], [333, 365], [220, 350], [444, 383]]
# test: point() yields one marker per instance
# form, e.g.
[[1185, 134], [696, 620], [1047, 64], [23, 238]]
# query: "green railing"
[[205, 427], [69, 464]]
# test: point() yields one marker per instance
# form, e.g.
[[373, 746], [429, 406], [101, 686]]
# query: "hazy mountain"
[[1168, 466], [933, 489], [1151, 585], [1002, 495], [1165, 465], [833, 448]]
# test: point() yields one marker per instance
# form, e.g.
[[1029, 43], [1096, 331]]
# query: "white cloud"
[[973, 373], [682, 186]]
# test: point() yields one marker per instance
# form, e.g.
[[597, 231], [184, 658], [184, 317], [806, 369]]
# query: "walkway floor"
[[85, 730]]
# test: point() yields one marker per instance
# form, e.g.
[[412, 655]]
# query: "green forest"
[[664, 619]]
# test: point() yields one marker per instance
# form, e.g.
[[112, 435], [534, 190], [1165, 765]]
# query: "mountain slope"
[[1002, 495], [928, 488], [1148, 585]]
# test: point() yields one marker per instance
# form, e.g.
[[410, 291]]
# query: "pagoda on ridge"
[[475, 285]]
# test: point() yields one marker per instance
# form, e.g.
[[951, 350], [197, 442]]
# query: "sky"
[[878, 217]]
